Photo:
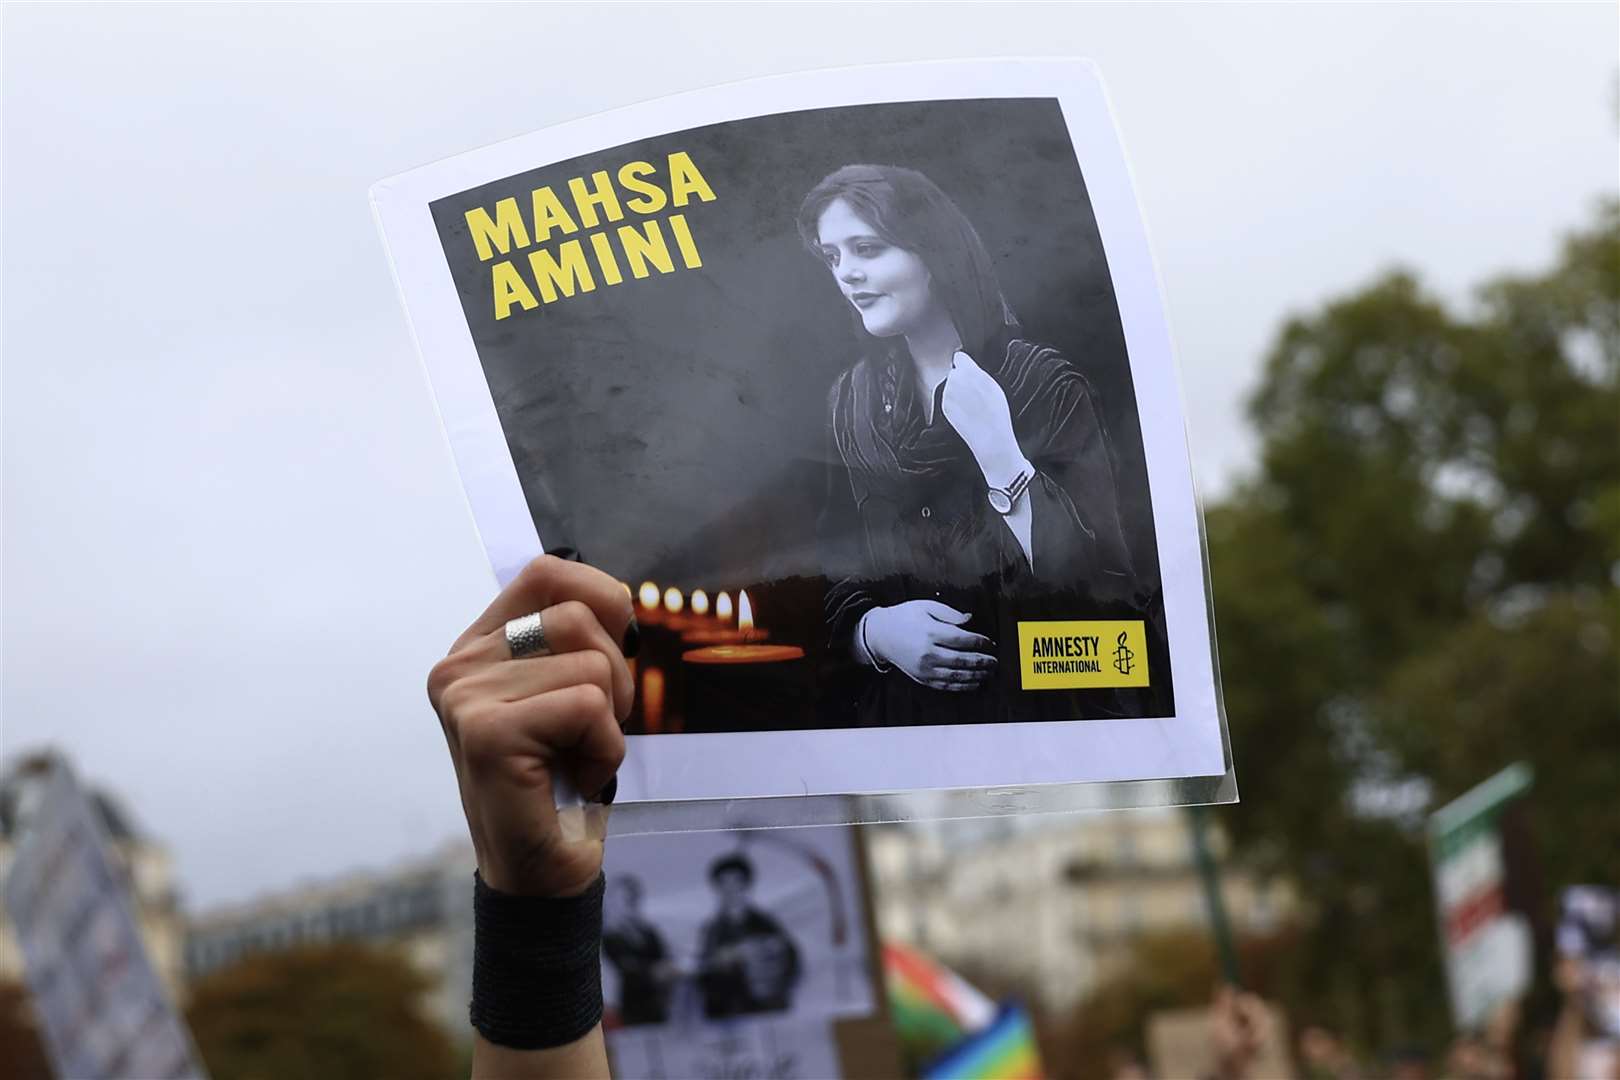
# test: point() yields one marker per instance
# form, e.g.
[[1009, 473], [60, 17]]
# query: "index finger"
[[964, 640], [547, 581]]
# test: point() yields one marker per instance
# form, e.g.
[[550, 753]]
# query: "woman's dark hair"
[[909, 211], [732, 864]]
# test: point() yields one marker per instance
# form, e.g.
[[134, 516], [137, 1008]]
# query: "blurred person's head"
[[1125, 1064], [623, 897], [732, 876], [1320, 1047]]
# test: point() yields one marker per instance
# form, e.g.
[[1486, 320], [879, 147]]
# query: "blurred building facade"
[[423, 908], [1054, 901], [146, 866]]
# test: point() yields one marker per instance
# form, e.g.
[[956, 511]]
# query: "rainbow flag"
[[932, 1006], [1003, 1051]]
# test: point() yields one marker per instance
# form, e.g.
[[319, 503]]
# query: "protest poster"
[[756, 1050], [103, 1012], [1487, 937], [861, 382], [734, 953]]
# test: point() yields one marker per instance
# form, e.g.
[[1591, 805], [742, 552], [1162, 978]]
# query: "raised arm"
[[514, 724]]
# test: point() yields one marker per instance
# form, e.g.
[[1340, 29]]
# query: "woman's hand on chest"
[[976, 406]]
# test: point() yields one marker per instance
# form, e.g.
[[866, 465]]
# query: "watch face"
[[999, 501]]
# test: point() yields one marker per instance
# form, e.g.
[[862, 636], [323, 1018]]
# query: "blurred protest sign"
[[741, 954], [1181, 1042], [1489, 946], [779, 1050], [99, 1001]]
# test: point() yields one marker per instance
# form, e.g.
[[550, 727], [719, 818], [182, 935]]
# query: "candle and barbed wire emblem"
[[1123, 655]]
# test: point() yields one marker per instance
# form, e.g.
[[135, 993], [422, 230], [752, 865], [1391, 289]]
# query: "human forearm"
[[518, 715], [583, 1059], [1564, 1049]]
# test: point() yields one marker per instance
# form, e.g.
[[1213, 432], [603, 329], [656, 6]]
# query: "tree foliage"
[[340, 1010], [1416, 588]]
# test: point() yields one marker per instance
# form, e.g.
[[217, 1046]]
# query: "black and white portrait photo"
[[732, 943], [637, 953], [870, 406], [974, 480], [748, 962]]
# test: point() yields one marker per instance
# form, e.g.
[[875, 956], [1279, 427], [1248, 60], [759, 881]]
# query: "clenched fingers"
[[573, 630], [574, 726], [515, 680], [543, 583]]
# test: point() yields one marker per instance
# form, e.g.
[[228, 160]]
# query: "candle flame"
[[649, 594], [673, 600], [700, 602], [745, 611], [722, 606]]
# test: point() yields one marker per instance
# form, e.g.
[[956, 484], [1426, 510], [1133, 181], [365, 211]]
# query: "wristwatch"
[[1003, 499]]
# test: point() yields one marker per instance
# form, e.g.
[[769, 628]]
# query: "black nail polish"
[[566, 553], [632, 639], [608, 792]]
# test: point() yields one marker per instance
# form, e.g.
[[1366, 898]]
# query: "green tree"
[[1416, 588], [341, 1010]]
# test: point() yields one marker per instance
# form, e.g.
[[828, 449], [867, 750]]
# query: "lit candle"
[[677, 617], [743, 654], [700, 602], [724, 634], [747, 687], [650, 612]]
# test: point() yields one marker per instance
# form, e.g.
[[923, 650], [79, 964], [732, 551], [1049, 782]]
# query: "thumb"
[[945, 613]]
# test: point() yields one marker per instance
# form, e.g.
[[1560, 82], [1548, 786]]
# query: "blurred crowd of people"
[[1582, 1042]]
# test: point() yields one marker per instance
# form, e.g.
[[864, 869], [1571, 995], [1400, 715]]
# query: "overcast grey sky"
[[233, 537]]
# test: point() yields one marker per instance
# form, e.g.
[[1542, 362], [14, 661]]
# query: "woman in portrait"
[[971, 480]]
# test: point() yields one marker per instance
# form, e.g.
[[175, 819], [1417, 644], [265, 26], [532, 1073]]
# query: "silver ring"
[[526, 636]]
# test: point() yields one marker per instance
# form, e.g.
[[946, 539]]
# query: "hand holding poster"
[[860, 381]]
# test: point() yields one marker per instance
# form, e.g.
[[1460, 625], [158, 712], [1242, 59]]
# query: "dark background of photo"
[[674, 428]]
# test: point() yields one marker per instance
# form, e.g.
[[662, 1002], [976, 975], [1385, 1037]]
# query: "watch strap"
[[1015, 487]]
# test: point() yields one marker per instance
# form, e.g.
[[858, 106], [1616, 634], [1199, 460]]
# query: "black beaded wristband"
[[537, 969]]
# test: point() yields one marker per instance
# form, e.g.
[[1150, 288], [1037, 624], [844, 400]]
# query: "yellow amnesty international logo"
[[1091, 655]]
